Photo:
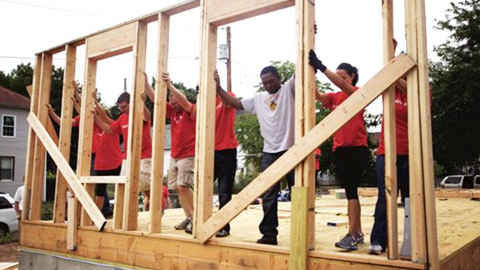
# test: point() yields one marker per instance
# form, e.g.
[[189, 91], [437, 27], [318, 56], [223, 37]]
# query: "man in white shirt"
[[275, 110], [19, 200]]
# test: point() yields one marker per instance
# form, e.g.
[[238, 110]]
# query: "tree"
[[456, 88]]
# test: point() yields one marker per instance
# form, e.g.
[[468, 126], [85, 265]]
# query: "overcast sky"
[[348, 31]]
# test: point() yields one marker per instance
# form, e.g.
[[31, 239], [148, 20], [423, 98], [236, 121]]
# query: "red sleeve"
[[116, 126], [191, 114], [76, 121], [329, 103]]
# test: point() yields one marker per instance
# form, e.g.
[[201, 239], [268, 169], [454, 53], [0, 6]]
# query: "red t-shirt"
[[109, 155], [224, 126], [183, 132], [401, 125], [164, 196], [353, 133], [96, 129], [120, 126]]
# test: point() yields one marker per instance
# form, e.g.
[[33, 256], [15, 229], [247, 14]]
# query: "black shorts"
[[350, 163], [101, 188]]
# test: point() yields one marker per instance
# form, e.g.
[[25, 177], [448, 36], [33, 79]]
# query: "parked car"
[[476, 181], [8, 216], [458, 181]]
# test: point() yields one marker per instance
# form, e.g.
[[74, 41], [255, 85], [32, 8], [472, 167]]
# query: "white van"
[[458, 181]]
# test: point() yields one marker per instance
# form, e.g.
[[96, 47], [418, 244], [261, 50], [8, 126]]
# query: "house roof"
[[11, 99]]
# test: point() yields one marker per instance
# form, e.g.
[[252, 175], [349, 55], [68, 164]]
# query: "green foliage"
[[7, 239], [455, 88], [248, 135]]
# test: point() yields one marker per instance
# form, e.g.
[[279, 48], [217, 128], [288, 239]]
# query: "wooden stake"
[[65, 132], [135, 130], [159, 127], [40, 154], [389, 128], [31, 141], [335, 120]]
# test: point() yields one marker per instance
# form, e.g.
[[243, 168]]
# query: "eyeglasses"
[[121, 107]]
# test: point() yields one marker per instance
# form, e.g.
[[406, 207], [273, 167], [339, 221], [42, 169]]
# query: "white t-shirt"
[[19, 197], [276, 115]]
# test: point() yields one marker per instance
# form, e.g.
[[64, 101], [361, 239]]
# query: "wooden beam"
[[299, 235], [65, 131], [220, 13], [159, 115], [50, 128], [426, 131], [85, 130], [417, 207], [111, 43], [102, 179], [467, 257], [135, 122], [304, 230], [389, 128], [148, 18], [161, 252], [334, 121], [179, 8], [72, 180], [205, 137], [39, 159], [31, 141], [118, 207], [72, 224]]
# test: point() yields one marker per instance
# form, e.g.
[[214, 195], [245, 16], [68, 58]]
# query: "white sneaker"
[[375, 249]]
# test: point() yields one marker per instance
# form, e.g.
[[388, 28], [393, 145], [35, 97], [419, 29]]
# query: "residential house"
[[14, 109]]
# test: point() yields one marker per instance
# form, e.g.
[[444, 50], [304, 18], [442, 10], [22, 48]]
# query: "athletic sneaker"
[[182, 225], [375, 249], [189, 228], [348, 242], [360, 237]]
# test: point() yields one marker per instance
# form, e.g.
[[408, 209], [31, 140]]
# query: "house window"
[[7, 166], [8, 126]]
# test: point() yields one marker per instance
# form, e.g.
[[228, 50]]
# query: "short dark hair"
[[124, 97], [351, 70], [270, 69]]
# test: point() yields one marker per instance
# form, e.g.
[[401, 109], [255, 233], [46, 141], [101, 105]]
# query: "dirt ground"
[[9, 252]]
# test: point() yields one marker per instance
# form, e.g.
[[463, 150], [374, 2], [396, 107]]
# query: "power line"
[[59, 9]]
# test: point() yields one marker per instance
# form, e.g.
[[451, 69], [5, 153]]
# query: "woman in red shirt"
[[350, 149]]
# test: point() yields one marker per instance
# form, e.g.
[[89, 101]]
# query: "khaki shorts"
[[145, 173], [180, 172]]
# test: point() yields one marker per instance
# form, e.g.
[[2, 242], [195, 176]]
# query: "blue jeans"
[[379, 230]]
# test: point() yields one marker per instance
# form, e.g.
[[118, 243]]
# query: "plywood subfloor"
[[458, 222]]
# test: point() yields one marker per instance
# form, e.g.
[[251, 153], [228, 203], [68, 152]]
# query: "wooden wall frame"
[[132, 36]]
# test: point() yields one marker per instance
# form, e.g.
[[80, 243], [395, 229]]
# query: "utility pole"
[[229, 61]]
